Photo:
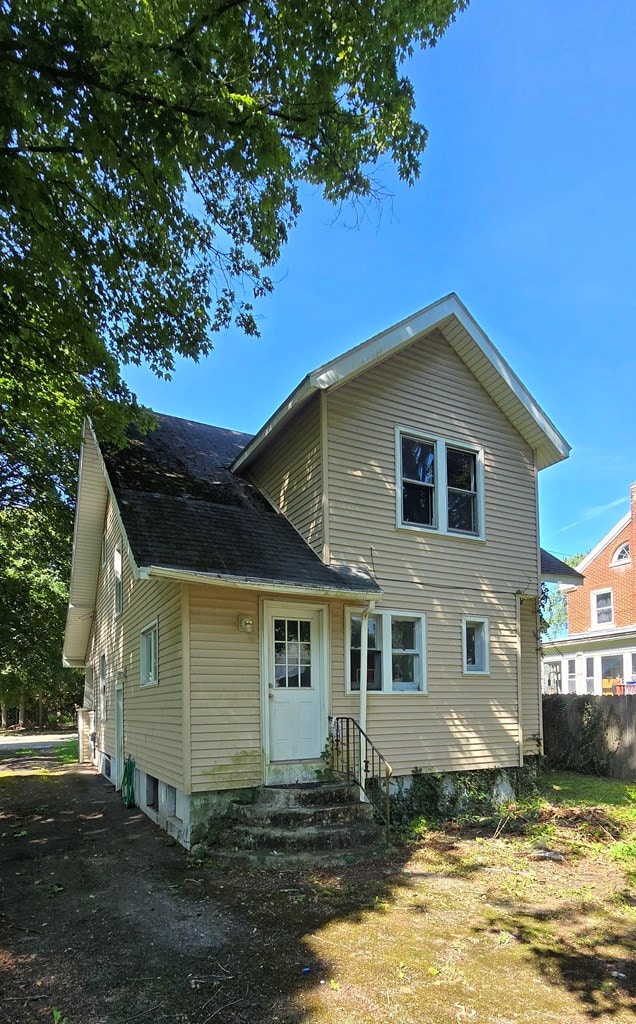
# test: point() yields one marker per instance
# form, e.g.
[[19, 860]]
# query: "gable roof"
[[605, 541], [184, 514], [553, 570], [465, 336]]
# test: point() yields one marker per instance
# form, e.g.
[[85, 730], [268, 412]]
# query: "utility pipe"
[[364, 661]]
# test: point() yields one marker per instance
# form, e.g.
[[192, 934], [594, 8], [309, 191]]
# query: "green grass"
[[68, 752], [569, 789]]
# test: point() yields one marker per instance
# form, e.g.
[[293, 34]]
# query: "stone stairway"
[[314, 823]]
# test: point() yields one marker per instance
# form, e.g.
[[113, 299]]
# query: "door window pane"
[[292, 657], [611, 671], [589, 675]]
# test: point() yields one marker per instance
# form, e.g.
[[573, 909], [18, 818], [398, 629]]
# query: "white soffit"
[[87, 539], [472, 345]]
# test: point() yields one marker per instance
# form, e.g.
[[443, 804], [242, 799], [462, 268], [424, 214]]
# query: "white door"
[[295, 685], [119, 735]]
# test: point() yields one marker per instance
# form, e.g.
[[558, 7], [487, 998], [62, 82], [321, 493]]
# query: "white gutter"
[[247, 583]]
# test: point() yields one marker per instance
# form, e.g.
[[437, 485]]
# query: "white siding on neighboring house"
[[153, 716], [289, 473], [463, 721]]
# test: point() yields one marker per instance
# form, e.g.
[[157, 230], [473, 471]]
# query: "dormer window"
[[621, 556]]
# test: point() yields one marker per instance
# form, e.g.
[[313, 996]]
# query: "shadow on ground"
[[104, 919]]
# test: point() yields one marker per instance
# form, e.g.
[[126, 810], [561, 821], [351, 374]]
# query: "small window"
[[602, 608], [621, 556], [102, 686], [152, 792], [571, 675], [589, 675], [149, 655], [395, 652], [552, 677], [119, 590], [475, 643]]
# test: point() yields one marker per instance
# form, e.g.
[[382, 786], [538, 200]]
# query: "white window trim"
[[622, 561], [104, 549], [474, 620], [103, 686], [595, 624], [148, 628], [440, 507], [118, 577], [385, 615]]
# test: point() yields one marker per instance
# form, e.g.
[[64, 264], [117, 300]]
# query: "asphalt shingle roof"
[[553, 566], [183, 509]]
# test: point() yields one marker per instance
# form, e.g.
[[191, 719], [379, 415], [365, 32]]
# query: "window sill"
[[436, 532], [149, 686], [388, 693], [468, 672]]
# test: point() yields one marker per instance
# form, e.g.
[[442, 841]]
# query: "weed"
[[59, 1018]]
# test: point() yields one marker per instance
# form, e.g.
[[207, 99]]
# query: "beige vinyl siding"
[[463, 721], [530, 687], [153, 716], [289, 473], [224, 689]]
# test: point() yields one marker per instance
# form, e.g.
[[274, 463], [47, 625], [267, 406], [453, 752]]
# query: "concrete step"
[[301, 817], [310, 794], [328, 838]]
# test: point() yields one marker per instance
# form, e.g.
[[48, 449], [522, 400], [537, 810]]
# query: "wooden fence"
[[591, 734]]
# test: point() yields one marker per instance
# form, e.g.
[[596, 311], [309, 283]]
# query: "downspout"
[[364, 661]]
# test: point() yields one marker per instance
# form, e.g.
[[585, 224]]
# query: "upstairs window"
[[149, 655], [395, 652], [602, 608], [440, 485], [102, 686], [119, 589], [621, 556]]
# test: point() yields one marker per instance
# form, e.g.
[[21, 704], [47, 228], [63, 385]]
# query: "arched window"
[[621, 554]]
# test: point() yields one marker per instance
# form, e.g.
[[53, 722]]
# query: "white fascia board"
[[297, 398], [244, 583], [602, 636], [555, 577], [354, 362], [602, 544]]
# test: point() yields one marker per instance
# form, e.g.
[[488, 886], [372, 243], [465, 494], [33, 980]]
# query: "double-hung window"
[[602, 608], [396, 644], [149, 655], [440, 485]]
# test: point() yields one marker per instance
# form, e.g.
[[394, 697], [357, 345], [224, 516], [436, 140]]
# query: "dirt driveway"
[[103, 919]]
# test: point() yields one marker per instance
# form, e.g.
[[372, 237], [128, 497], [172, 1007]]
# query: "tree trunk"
[[22, 711], [3, 716]]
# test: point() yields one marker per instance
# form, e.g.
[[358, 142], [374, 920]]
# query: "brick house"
[[599, 653]]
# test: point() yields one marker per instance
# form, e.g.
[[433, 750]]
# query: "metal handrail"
[[356, 757]]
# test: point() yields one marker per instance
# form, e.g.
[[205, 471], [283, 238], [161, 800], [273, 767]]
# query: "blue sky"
[[526, 207]]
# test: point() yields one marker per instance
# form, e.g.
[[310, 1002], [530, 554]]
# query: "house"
[[228, 591], [599, 653]]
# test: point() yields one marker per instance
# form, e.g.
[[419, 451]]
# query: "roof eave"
[[253, 583], [550, 446]]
